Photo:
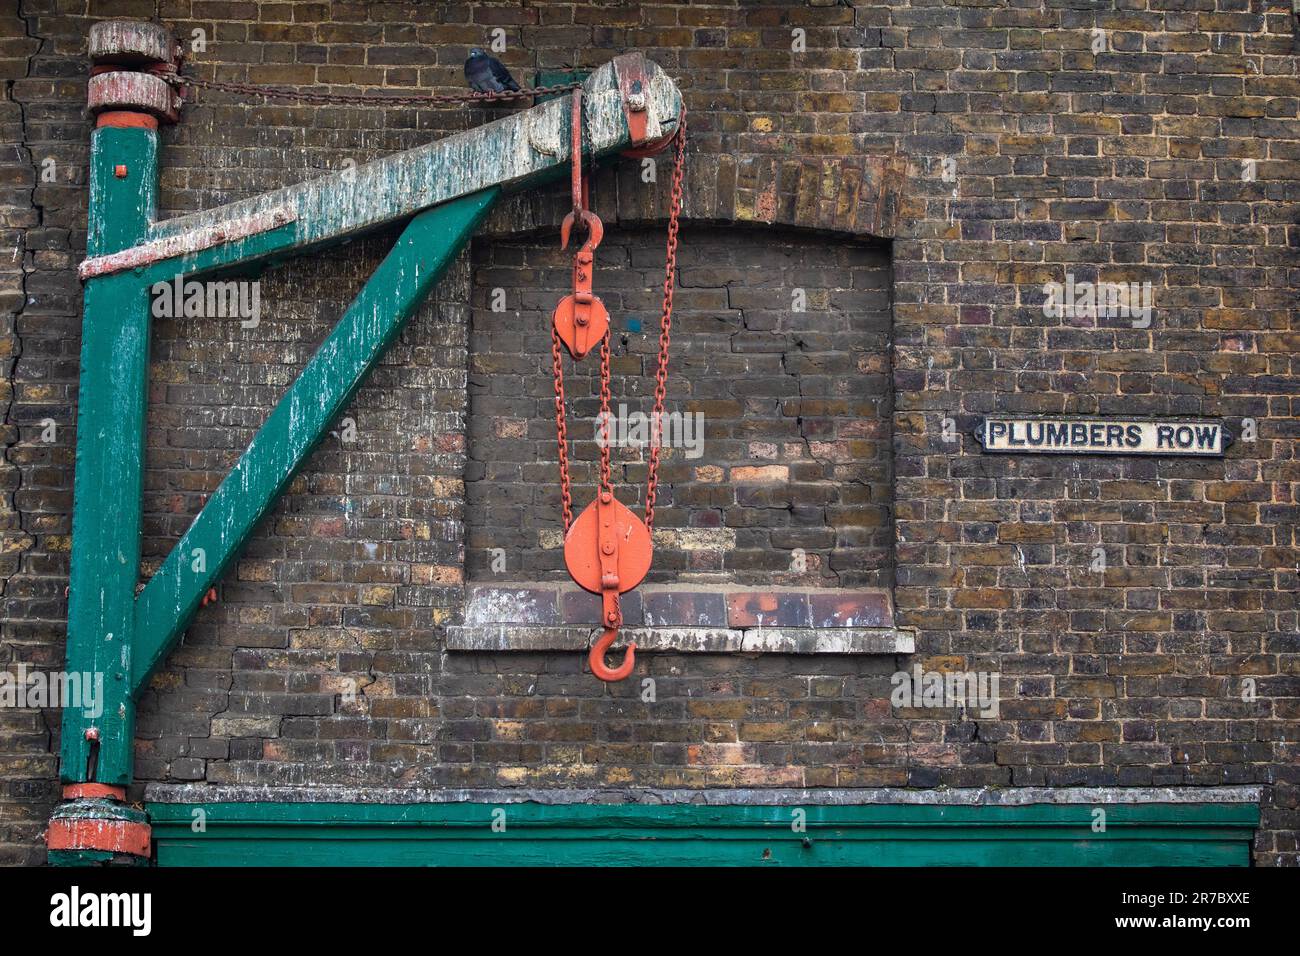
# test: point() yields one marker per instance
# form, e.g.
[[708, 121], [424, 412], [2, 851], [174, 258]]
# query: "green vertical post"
[[111, 405]]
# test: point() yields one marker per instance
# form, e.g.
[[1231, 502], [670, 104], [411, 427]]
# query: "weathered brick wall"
[[780, 347], [1128, 164], [34, 477]]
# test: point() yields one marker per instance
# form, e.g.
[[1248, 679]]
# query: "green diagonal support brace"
[[319, 395]]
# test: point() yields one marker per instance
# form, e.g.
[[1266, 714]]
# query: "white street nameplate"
[[1103, 436]]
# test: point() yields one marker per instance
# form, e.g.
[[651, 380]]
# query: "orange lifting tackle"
[[608, 549]]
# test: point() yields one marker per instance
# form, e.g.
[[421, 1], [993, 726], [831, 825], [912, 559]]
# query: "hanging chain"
[[665, 326], [611, 595], [561, 430], [661, 371], [604, 413], [358, 99]]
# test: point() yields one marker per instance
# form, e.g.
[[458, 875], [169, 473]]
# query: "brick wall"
[[780, 347], [1126, 164], [31, 475]]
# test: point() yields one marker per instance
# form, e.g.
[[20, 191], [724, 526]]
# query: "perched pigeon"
[[487, 74]]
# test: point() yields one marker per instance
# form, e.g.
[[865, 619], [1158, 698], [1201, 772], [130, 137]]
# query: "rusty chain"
[[661, 371], [665, 326], [180, 80], [605, 437], [561, 430]]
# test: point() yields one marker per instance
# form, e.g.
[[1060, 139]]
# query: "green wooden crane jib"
[[441, 191]]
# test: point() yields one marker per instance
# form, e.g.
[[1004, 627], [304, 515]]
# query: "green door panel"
[[463, 834]]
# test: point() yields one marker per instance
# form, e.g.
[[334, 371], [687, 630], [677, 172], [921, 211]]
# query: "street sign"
[[1200, 437]]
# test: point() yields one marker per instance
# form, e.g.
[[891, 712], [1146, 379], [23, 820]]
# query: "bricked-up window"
[[780, 348]]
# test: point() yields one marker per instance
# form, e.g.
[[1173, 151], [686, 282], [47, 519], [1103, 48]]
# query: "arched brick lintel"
[[859, 196]]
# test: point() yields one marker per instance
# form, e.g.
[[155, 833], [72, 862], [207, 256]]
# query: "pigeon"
[[487, 74]]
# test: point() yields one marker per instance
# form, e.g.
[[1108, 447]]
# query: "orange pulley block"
[[581, 319], [608, 549]]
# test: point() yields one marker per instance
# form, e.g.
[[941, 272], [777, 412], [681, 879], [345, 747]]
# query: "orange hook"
[[595, 230], [597, 657]]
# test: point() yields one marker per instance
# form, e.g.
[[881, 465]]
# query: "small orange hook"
[[597, 657], [595, 229]]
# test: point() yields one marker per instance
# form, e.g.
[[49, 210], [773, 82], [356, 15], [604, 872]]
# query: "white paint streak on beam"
[[186, 243]]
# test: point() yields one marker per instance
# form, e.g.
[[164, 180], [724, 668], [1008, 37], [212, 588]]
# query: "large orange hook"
[[597, 657]]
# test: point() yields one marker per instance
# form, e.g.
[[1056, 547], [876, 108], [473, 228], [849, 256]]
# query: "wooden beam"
[[513, 152]]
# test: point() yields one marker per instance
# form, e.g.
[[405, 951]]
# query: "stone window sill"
[[683, 618]]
